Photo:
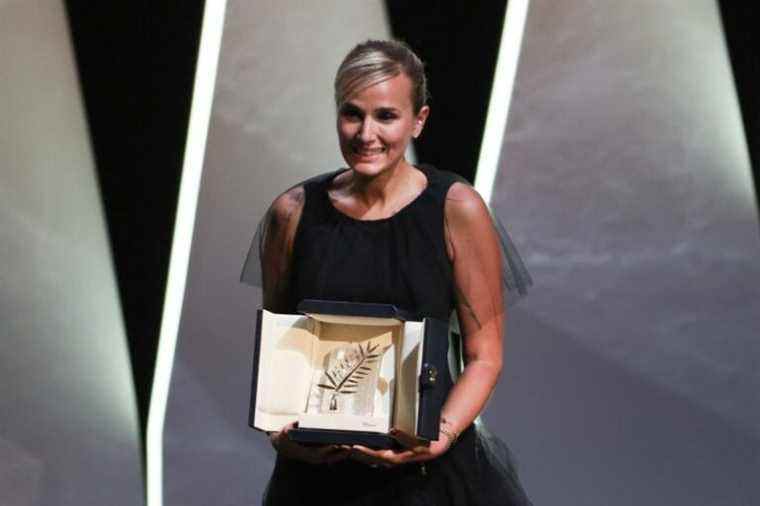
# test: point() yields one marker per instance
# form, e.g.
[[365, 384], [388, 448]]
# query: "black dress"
[[399, 260]]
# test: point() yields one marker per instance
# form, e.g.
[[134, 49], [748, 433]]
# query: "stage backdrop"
[[631, 370], [625, 177], [69, 434]]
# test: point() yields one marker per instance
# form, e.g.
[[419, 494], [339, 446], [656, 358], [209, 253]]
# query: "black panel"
[[255, 375], [341, 437], [435, 378], [343, 308], [459, 43], [136, 65], [740, 22]]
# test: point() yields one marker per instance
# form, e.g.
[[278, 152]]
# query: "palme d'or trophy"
[[349, 381]]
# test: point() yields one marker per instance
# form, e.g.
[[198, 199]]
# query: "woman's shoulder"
[[462, 202], [294, 197], [455, 187], [288, 202], [443, 175], [465, 206]]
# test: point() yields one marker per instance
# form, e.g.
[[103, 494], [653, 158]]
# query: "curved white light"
[[200, 113], [501, 96]]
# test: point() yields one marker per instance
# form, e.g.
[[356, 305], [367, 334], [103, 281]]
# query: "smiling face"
[[376, 124]]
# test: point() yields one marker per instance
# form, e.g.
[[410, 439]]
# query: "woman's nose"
[[366, 132]]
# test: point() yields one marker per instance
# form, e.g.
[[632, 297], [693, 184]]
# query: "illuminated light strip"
[[197, 132], [501, 96]]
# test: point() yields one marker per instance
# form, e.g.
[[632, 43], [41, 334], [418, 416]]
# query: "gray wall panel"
[[625, 178], [68, 419]]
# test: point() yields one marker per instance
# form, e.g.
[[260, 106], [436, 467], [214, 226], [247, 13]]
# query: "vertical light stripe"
[[200, 113], [501, 96]]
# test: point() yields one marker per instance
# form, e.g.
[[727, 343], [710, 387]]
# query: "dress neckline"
[[403, 209]]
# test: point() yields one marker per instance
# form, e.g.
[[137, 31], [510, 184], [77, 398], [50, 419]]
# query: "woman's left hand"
[[391, 458]]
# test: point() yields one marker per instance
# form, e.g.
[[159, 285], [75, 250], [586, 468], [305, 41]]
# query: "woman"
[[387, 231]]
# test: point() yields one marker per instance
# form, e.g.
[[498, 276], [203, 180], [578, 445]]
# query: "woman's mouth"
[[367, 152]]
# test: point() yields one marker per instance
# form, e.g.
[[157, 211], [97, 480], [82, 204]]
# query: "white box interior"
[[292, 354]]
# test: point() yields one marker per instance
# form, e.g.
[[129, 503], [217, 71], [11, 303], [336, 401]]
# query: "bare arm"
[[473, 247]]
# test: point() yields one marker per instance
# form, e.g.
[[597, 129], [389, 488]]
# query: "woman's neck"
[[384, 187]]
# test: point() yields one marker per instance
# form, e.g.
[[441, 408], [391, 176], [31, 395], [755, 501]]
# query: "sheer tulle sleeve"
[[267, 264], [488, 271], [473, 247], [491, 272], [514, 275]]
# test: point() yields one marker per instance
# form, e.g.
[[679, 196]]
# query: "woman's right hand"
[[323, 454]]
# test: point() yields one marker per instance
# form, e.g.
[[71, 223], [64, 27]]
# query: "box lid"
[[320, 308]]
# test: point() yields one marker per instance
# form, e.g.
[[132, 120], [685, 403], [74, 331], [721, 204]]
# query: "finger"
[[385, 456], [377, 454], [402, 457], [325, 450], [436, 449], [405, 439], [364, 449], [333, 456], [276, 437], [367, 456]]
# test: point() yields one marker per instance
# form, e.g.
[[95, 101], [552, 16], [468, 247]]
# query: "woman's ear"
[[419, 121]]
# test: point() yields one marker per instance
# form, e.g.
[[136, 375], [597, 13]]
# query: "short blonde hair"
[[375, 61]]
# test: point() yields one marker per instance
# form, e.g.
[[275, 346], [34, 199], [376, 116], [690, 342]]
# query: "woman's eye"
[[350, 112], [386, 116]]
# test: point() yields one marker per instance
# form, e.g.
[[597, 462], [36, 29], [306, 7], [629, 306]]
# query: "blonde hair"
[[375, 61]]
